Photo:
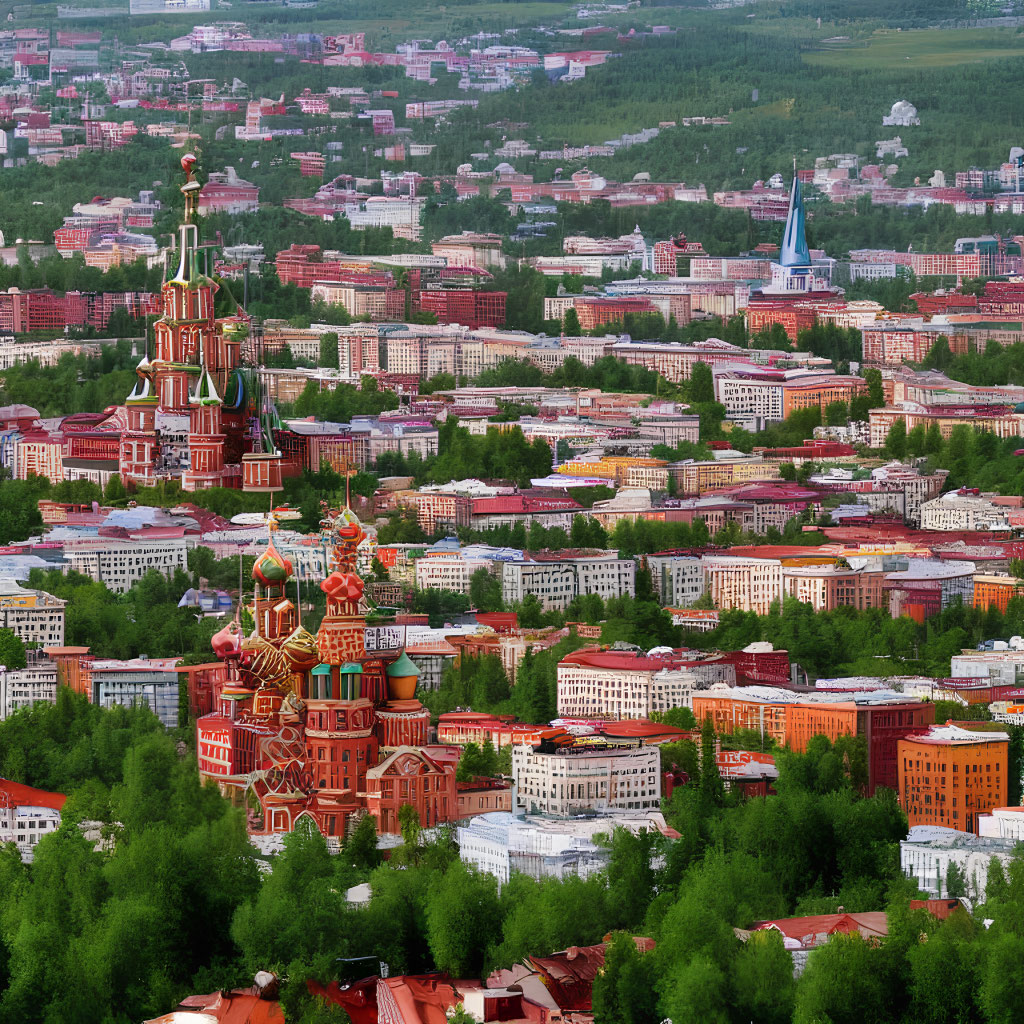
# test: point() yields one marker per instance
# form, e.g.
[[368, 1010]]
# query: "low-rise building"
[[964, 510], [571, 779], [621, 684], [34, 616], [503, 843], [27, 814], [929, 850]]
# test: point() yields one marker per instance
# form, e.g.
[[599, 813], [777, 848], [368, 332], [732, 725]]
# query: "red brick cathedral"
[[318, 726], [193, 413]]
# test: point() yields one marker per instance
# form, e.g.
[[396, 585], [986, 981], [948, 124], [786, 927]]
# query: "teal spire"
[[794, 240]]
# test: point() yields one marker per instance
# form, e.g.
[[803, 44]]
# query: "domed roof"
[[271, 567], [903, 108], [404, 666]]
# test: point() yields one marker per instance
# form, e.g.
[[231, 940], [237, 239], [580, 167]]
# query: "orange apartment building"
[[995, 591], [951, 775], [821, 392], [883, 724]]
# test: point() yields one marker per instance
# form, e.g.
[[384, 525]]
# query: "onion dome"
[[299, 647], [271, 568], [402, 667]]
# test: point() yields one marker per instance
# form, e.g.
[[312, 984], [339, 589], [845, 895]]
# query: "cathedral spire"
[[794, 239]]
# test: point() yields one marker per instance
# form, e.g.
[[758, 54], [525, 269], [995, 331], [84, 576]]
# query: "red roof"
[[240, 1006], [500, 622], [15, 794], [938, 908], [643, 728], [815, 931], [626, 661]]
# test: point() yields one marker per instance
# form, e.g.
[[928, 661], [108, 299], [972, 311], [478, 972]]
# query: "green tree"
[[329, 350], [763, 980], [702, 384], [485, 591], [873, 378], [461, 913], [896, 439], [12, 650], [571, 323]]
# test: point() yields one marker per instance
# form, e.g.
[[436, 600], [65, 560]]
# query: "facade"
[[539, 847], [21, 688], [677, 579], [27, 814], [749, 584], [961, 510], [121, 564], [34, 616], [411, 776], [952, 776], [556, 583], [929, 850], [619, 684], [562, 782], [791, 719]]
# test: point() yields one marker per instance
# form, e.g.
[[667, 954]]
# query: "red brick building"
[[464, 306]]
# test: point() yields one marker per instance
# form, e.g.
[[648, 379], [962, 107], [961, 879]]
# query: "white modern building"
[[119, 565], [563, 782], [21, 688], [956, 510], [501, 843], [34, 616], [929, 850], [678, 579], [556, 583]]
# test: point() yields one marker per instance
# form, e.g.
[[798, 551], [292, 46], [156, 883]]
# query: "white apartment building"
[[552, 583], [749, 584], [21, 688], [958, 511], [119, 565], [573, 780], [616, 685], [929, 850], [446, 572], [606, 577], [34, 616], [501, 843], [678, 579], [26, 815], [743, 396], [555, 584]]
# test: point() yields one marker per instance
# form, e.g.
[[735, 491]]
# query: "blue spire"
[[794, 241]]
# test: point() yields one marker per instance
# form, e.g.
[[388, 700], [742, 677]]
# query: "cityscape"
[[511, 512]]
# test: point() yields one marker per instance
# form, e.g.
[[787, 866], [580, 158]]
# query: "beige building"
[[597, 685], [470, 250], [34, 616], [748, 584], [573, 780], [956, 511]]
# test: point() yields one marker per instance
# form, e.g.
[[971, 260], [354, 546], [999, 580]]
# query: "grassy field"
[[921, 48]]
